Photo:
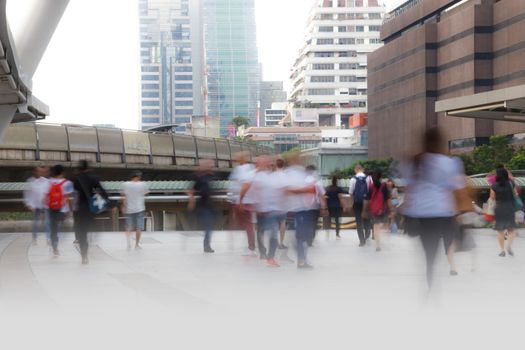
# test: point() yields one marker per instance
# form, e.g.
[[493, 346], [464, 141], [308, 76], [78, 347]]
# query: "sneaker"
[[249, 252], [511, 252], [453, 273], [209, 250], [272, 263], [362, 244], [56, 253], [138, 247], [502, 254], [76, 241], [282, 246], [305, 266], [263, 257], [85, 261], [337, 237], [378, 249]]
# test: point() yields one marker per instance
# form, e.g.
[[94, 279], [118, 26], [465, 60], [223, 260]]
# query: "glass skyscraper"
[[167, 78], [232, 74]]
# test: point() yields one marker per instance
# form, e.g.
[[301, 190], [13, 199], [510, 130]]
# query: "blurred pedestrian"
[[280, 174], [504, 193], [242, 175], [134, 206], [432, 178], [336, 204], [36, 188], [319, 203], [59, 202], [394, 197], [202, 187], [300, 200], [91, 200], [358, 191], [379, 206]]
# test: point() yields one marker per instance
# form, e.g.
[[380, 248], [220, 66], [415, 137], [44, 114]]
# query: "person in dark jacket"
[[336, 204], [503, 192], [86, 184]]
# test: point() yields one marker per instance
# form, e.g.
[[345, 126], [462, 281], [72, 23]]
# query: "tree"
[[386, 166], [518, 160], [486, 158], [240, 121]]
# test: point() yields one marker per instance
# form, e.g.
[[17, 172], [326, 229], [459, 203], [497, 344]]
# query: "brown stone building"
[[437, 50]]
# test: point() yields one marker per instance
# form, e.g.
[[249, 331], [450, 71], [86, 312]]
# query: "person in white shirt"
[[241, 175], [63, 208], [358, 190], [133, 204], [319, 204], [269, 191], [35, 192]]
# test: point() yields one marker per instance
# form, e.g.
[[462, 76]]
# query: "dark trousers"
[[303, 231], [206, 218], [335, 213], [83, 220], [244, 220], [260, 235], [55, 220], [363, 225], [431, 230], [314, 217]]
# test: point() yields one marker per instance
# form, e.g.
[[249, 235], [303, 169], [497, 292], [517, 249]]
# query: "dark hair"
[[432, 141], [83, 165], [334, 181], [135, 174], [502, 176], [57, 170], [376, 178], [279, 163], [311, 168], [393, 183]]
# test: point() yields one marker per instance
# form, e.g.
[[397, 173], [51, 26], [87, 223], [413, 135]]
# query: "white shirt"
[[430, 192], [296, 179], [269, 189], [35, 193], [319, 189], [134, 191], [67, 190], [241, 175]]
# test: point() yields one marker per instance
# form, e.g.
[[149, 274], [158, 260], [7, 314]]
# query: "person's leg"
[[337, 217], [430, 240], [377, 235], [129, 229], [501, 242], [247, 225], [139, 227], [358, 212], [76, 223], [261, 223], [451, 237], [367, 226], [314, 219], [207, 222], [303, 233], [272, 226], [35, 224], [53, 223], [282, 232], [47, 224], [510, 239], [83, 228]]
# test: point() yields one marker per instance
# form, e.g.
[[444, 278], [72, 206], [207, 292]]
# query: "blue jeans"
[[40, 215], [55, 218], [206, 218], [303, 229], [268, 222]]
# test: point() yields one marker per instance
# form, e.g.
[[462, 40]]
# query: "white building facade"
[[330, 73]]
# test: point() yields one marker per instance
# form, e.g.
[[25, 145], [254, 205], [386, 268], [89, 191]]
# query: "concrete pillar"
[[170, 221], [6, 115], [39, 26]]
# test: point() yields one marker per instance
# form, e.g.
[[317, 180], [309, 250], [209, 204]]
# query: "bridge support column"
[[6, 115]]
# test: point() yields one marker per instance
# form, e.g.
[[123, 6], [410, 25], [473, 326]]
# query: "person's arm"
[[342, 200], [351, 187], [244, 189], [492, 195], [28, 194], [191, 199]]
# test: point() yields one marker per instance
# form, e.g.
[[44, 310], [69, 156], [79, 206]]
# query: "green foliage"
[[15, 216], [387, 167], [240, 121], [486, 158], [517, 161]]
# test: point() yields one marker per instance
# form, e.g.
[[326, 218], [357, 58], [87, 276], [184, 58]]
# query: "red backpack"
[[377, 201], [55, 198]]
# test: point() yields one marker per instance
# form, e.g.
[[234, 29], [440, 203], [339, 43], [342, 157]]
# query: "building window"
[[327, 16], [326, 29], [184, 103], [322, 79], [150, 86], [183, 77], [346, 41], [150, 112], [325, 41], [342, 29], [360, 41], [321, 92], [327, 3], [374, 15], [323, 66], [150, 103], [183, 69], [347, 54], [324, 54], [150, 69], [374, 28], [360, 28], [150, 77], [348, 66], [150, 120], [375, 41], [347, 78], [184, 94], [183, 86], [150, 95], [183, 111]]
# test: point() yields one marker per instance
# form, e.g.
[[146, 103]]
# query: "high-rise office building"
[[271, 92], [170, 77], [232, 74], [329, 77]]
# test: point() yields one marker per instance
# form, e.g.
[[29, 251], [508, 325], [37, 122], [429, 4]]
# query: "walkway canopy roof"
[[503, 105]]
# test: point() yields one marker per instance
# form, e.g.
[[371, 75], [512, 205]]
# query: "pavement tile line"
[[18, 283]]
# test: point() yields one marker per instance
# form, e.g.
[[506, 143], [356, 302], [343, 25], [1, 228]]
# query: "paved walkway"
[[171, 293]]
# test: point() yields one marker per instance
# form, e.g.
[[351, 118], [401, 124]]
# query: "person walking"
[[280, 175], [379, 206], [241, 175], [394, 197], [504, 193], [432, 178], [134, 206], [59, 203], [319, 203], [36, 188], [204, 206], [336, 204], [87, 186], [358, 190]]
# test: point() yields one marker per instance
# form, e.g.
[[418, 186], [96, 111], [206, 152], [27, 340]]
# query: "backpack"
[[377, 201], [55, 198], [360, 190]]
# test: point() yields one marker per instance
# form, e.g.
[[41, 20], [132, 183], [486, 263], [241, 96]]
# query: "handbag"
[[96, 202], [463, 201], [518, 203]]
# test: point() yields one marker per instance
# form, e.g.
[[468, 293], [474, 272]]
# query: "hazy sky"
[[90, 73]]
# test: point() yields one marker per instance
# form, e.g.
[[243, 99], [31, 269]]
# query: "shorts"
[[135, 221]]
